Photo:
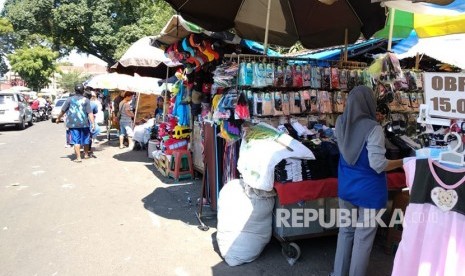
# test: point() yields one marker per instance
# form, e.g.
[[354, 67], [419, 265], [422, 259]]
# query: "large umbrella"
[[284, 22], [425, 25], [113, 81], [427, 20], [437, 7], [106, 81], [176, 29], [20, 88], [434, 47], [144, 59], [141, 53]]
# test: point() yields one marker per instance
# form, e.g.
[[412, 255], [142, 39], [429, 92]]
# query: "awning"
[[447, 49]]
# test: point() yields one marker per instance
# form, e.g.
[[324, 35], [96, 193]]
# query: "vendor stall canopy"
[[177, 28], [314, 23]]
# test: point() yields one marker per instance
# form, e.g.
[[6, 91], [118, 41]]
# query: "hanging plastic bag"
[[242, 110], [297, 80], [288, 77], [259, 75], [306, 75], [269, 74], [278, 76]]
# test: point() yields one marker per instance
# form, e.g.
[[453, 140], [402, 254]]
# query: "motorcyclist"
[[35, 105], [42, 102]]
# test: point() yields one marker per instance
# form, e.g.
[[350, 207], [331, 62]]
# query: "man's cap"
[[79, 88]]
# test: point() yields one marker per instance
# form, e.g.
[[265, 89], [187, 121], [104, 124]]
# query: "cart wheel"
[[203, 227], [291, 250]]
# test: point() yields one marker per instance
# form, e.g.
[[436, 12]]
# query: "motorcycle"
[[35, 115], [45, 112], [41, 114]]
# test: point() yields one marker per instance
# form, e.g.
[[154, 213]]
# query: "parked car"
[[57, 109], [62, 96], [14, 110]]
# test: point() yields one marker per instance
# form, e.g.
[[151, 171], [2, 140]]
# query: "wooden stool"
[[181, 165], [162, 164]]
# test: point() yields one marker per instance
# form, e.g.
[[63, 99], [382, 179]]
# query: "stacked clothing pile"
[[291, 170]]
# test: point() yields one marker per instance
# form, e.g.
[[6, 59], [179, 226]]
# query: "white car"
[[14, 110], [57, 109]]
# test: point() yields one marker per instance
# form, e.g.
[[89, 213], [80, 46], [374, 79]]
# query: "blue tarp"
[[257, 47], [335, 53], [405, 44]]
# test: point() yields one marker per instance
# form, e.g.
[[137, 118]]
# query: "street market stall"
[[298, 99]]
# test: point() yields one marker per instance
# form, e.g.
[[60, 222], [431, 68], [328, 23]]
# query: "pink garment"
[[433, 240]]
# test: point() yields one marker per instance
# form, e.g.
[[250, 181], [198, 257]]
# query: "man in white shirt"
[[42, 102]]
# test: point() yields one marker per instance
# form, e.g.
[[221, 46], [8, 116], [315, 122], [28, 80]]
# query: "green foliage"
[[104, 28], [3, 67], [5, 26], [6, 30], [64, 63], [69, 79], [34, 65]]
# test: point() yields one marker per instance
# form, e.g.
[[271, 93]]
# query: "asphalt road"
[[114, 215]]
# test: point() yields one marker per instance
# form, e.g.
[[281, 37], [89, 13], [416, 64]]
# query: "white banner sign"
[[445, 94]]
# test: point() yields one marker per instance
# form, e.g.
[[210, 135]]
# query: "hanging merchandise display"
[[313, 93]]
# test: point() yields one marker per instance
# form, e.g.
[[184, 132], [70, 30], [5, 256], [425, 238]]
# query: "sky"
[[79, 59]]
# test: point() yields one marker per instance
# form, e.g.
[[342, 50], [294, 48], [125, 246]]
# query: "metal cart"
[[286, 235]]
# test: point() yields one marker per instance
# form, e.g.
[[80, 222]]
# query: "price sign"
[[445, 94]]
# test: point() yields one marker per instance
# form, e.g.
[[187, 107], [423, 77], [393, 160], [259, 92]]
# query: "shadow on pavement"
[[128, 155], [13, 128], [170, 200], [178, 200]]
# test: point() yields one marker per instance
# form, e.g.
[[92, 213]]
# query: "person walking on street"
[[362, 184], [117, 101], [80, 121], [93, 132], [125, 120]]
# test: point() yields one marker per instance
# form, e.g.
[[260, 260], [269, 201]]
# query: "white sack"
[[244, 222]]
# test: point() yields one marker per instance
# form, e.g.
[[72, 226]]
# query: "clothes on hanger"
[[433, 237]]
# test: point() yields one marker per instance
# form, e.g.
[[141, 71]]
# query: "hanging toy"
[[181, 132]]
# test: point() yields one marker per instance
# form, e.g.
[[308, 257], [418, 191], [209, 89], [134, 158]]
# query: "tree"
[[70, 79], [6, 30], [103, 28], [34, 65]]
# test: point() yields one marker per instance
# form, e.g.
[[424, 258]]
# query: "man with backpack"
[[80, 121]]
